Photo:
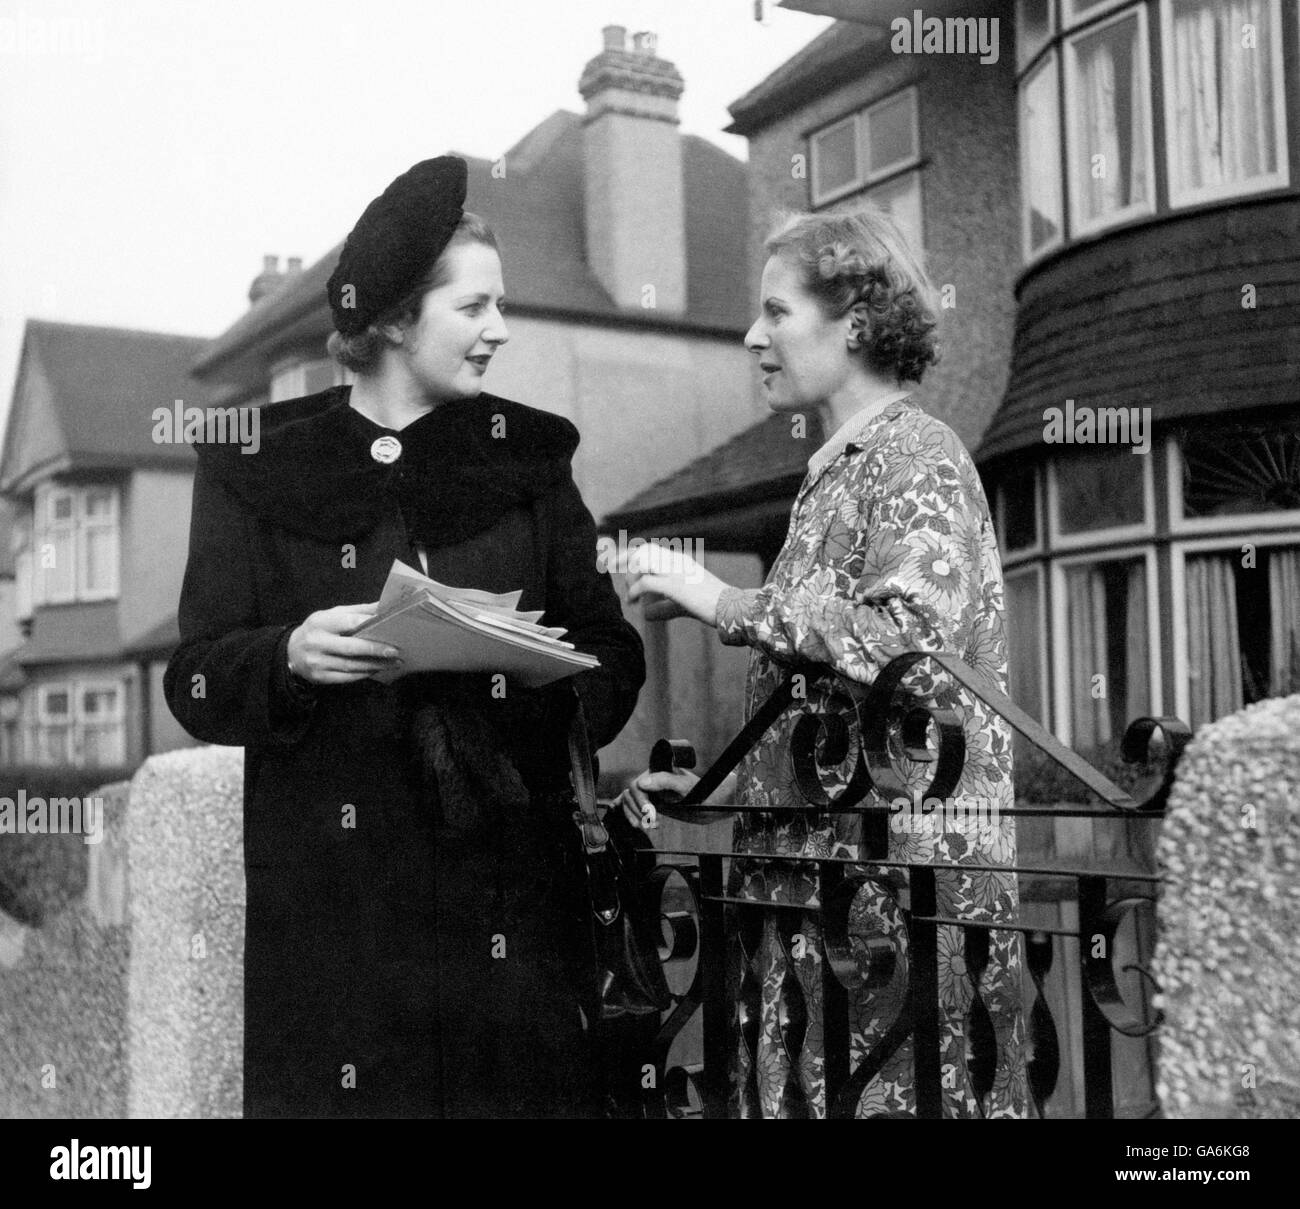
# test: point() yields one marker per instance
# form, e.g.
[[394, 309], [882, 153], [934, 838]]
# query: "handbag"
[[627, 977]]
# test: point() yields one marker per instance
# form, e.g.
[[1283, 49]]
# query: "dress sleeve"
[[228, 681], [581, 598], [919, 538]]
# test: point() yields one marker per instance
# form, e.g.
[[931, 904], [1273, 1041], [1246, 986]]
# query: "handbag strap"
[[595, 838]]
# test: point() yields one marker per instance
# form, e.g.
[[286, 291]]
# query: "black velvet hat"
[[396, 239]]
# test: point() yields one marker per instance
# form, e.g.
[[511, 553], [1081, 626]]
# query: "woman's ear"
[[858, 326]]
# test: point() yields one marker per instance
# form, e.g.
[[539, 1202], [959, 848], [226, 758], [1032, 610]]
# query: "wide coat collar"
[[461, 467]]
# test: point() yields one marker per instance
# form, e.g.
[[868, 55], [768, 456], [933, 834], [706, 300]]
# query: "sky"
[[152, 151]]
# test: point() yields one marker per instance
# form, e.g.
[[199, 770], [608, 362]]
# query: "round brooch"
[[386, 450]]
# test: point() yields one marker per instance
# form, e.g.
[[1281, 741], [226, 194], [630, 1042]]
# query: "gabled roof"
[[84, 399], [537, 210], [842, 52], [763, 462]]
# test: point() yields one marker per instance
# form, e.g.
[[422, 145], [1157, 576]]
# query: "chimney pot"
[[615, 37], [267, 280], [645, 43], [294, 265]]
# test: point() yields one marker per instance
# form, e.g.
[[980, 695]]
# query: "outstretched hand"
[[670, 583]]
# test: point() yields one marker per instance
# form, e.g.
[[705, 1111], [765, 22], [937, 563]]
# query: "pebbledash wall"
[[129, 1001]]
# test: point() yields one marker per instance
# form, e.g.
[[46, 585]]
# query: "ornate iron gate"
[[894, 731]]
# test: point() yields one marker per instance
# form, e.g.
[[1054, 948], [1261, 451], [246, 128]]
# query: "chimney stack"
[[267, 280], [632, 152], [293, 267]]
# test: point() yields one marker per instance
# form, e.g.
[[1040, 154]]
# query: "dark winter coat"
[[409, 952]]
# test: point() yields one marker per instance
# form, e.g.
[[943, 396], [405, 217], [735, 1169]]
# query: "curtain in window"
[[1223, 111], [1213, 645], [1284, 611], [1085, 592], [1100, 134], [1101, 131], [1137, 653]]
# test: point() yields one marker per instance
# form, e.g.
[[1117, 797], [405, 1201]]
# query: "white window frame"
[[20, 545], [111, 525], [1070, 18], [75, 721], [1178, 589], [1078, 228], [1024, 52], [1050, 61], [913, 178], [861, 122], [48, 528], [1036, 569], [43, 692], [1010, 556], [1101, 537], [1242, 522], [44, 532], [1064, 727], [1279, 179]]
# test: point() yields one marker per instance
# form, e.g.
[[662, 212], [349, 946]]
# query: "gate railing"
[[894, 731]]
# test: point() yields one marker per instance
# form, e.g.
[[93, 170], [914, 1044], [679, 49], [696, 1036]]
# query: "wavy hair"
[[861, 257], [361, 352]]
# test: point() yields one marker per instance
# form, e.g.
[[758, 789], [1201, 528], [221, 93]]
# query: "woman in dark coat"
[[413, 941]]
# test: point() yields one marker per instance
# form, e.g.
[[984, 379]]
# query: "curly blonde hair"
[[861, 258]]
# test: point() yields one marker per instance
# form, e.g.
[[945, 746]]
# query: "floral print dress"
[[890, 548]]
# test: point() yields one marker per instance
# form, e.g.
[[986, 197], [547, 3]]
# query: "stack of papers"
[[442, 629]]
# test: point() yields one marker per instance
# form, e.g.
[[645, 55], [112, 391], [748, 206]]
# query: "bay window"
[[1105, 614], [1043, 219], [1109, 153], [1223, 97]]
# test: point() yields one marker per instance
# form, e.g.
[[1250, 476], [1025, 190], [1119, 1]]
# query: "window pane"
[[101, 553], [1237, 469], [1025, 643], [1040, 152], [902, 199], [836, 156], [57, 702], [1100, 489], [99, 502], [1222, 93], [56, 564], [1108, 654], [1110, 160], [61, 507], [1019, 509], [889, 133], [1033, 26]]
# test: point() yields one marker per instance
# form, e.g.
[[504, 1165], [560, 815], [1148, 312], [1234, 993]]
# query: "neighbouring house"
[[627, 292], [1112, 209], [100, 522]]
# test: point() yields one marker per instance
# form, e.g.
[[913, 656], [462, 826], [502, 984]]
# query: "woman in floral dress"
[[890, 548]]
